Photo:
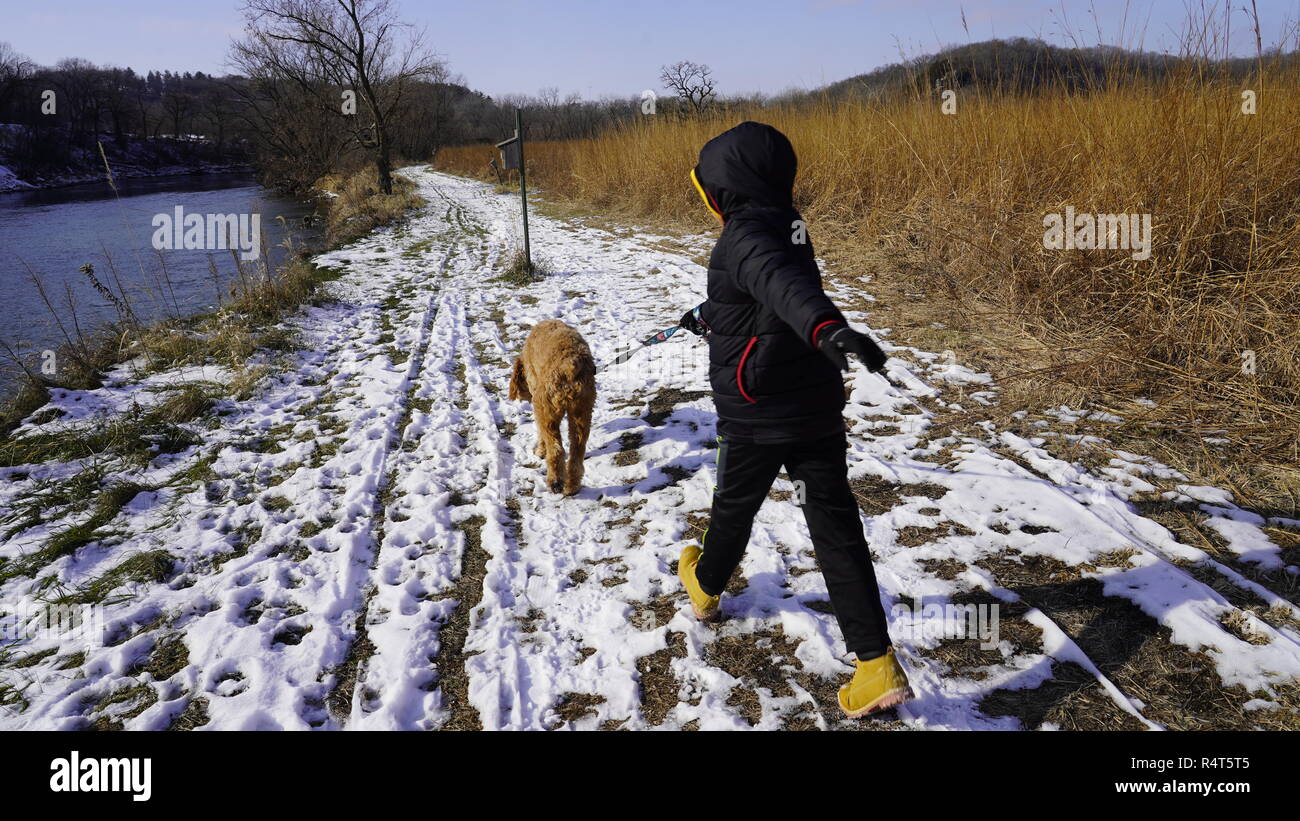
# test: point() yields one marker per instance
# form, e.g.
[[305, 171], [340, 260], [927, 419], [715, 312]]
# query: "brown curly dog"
[[556, 373]]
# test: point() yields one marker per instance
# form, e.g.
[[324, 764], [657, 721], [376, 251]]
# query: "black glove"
[[692, 322], [836, 343]]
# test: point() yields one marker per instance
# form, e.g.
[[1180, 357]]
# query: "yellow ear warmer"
[[704, 195]]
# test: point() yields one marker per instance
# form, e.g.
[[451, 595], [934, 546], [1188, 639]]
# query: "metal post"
[[523, 185]]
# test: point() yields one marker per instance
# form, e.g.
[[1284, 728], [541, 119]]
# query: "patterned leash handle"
[[654, 339]]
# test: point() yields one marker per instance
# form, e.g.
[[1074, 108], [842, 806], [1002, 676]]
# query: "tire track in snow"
[[442, 526], [426, 572], [345, 698]]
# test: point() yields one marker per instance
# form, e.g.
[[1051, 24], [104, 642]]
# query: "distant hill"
[[1021, 64]]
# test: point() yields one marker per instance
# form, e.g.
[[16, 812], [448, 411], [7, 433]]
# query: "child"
[[777, 346]]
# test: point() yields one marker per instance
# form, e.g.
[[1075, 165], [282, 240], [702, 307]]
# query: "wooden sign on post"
[[510, 153], [512, 157]]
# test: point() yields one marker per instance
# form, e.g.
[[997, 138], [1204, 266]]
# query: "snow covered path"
[[368, 542]]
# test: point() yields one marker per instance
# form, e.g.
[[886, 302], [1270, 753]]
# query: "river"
[[46, 236]]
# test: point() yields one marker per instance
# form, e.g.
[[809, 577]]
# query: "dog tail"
[[519, 383]]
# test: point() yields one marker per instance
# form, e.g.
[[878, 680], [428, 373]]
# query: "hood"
[[752, 163]]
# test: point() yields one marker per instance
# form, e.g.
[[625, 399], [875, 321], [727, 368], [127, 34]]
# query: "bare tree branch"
[[322, 48], [692, 83]]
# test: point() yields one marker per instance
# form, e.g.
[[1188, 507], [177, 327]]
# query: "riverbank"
[[26, 163], [247, 303], [11, 183]]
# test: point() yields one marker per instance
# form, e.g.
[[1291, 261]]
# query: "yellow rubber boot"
[[877, 685], [705, 606]]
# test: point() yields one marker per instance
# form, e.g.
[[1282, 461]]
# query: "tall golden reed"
[[959, 199]]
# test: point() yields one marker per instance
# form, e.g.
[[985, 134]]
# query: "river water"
[[46, 236]]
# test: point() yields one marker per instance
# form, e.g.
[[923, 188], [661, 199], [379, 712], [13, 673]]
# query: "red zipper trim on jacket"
[[818, 329], [739, 383]]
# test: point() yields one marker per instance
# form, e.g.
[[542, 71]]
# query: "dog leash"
[[654, 339], [901, 388]]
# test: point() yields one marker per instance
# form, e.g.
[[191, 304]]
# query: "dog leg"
[[550, 435], [579, 428], [539, 422]]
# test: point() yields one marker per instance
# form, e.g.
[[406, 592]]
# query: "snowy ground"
[[368, 542], [9, 181]]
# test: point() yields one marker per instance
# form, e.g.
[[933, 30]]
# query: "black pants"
[[745, 474]]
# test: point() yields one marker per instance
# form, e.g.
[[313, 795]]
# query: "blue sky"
[[616, 47]]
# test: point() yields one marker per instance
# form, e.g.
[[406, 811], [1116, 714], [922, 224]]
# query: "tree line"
[[321, 86], [318, 86], [57, 114], [1022, 65]]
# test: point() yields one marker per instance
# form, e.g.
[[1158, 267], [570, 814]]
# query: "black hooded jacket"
[[766, 304]]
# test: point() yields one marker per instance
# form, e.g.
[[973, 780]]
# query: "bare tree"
[[214, 106], [300, 139], [117, 99], [14, 70], [144, 108], [179, 107], [79, 96], [326, 47], [422, 127], [692, 83]]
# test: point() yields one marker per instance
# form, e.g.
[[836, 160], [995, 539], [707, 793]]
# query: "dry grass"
[[953, 206], [577, 706], [360, 208], [520, 270], [660, 688]]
